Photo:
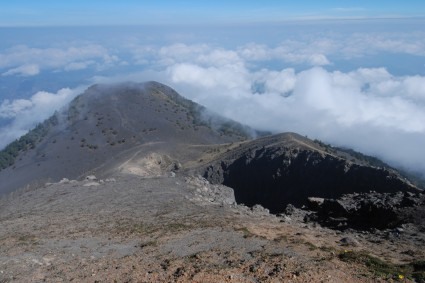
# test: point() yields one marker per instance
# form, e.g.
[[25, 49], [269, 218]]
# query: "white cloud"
[[228, 76], [364, 44], [24, 70], [319, 60], [254, 51], [319, 51], [76, 66], [26, 113], [288, 51], [9, 109], [361, 109], [282, 82], [201, 54], [28, 61]]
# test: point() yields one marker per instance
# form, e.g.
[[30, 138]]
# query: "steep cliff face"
[[288, 168]]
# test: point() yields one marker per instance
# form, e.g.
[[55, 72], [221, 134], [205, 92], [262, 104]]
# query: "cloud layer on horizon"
[[29, 61]]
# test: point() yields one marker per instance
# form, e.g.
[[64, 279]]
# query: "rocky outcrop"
[[368, 210], [206, 193], [279, 170]]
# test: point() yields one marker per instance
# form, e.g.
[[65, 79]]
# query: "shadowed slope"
[[288, 168]]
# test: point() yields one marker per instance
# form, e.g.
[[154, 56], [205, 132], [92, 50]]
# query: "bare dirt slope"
[[172, 229], [108, 121]]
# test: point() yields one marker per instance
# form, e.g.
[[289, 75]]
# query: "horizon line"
[[216, 24]]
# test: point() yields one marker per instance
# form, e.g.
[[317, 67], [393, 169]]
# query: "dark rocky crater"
[[288, 168], [367, 211]]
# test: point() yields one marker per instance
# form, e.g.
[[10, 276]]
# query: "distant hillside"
[[107, 121]]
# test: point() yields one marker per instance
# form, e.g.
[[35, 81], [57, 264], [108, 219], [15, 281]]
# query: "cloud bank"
[[26, 113], [293, 85], [368, 109]]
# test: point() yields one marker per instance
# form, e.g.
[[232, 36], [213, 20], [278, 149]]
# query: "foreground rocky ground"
[[177, 228]]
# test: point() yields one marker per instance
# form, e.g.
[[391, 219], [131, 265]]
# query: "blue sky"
[[131, 12]]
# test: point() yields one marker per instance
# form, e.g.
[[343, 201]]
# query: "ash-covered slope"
[[287, 169], [140, 128], [106, 124]]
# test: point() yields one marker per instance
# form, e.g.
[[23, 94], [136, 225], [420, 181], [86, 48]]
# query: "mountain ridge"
[[105, 120], [112, 124], [288, 168]]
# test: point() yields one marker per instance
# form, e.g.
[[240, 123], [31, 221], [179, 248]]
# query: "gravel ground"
[[174, 228]]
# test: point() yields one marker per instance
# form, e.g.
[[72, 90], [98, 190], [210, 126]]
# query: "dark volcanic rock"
[[370, 210], [288, 168]]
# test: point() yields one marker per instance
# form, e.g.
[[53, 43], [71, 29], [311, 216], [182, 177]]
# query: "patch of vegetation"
[[245, 231], [29, 141], [416, 179], [414, 270], [92, 146], [310, 246], [376, 162], [371, 160], [129, 228], [152, 243], [300, 241], [27, 240], [176, 226], [327, 146], [418, 270], [199, 115], [327, 249], [281, 238], [232, 128]]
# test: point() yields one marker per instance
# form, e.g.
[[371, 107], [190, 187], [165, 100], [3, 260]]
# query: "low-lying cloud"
[[366, 109], [369, 109], [25, 114]]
